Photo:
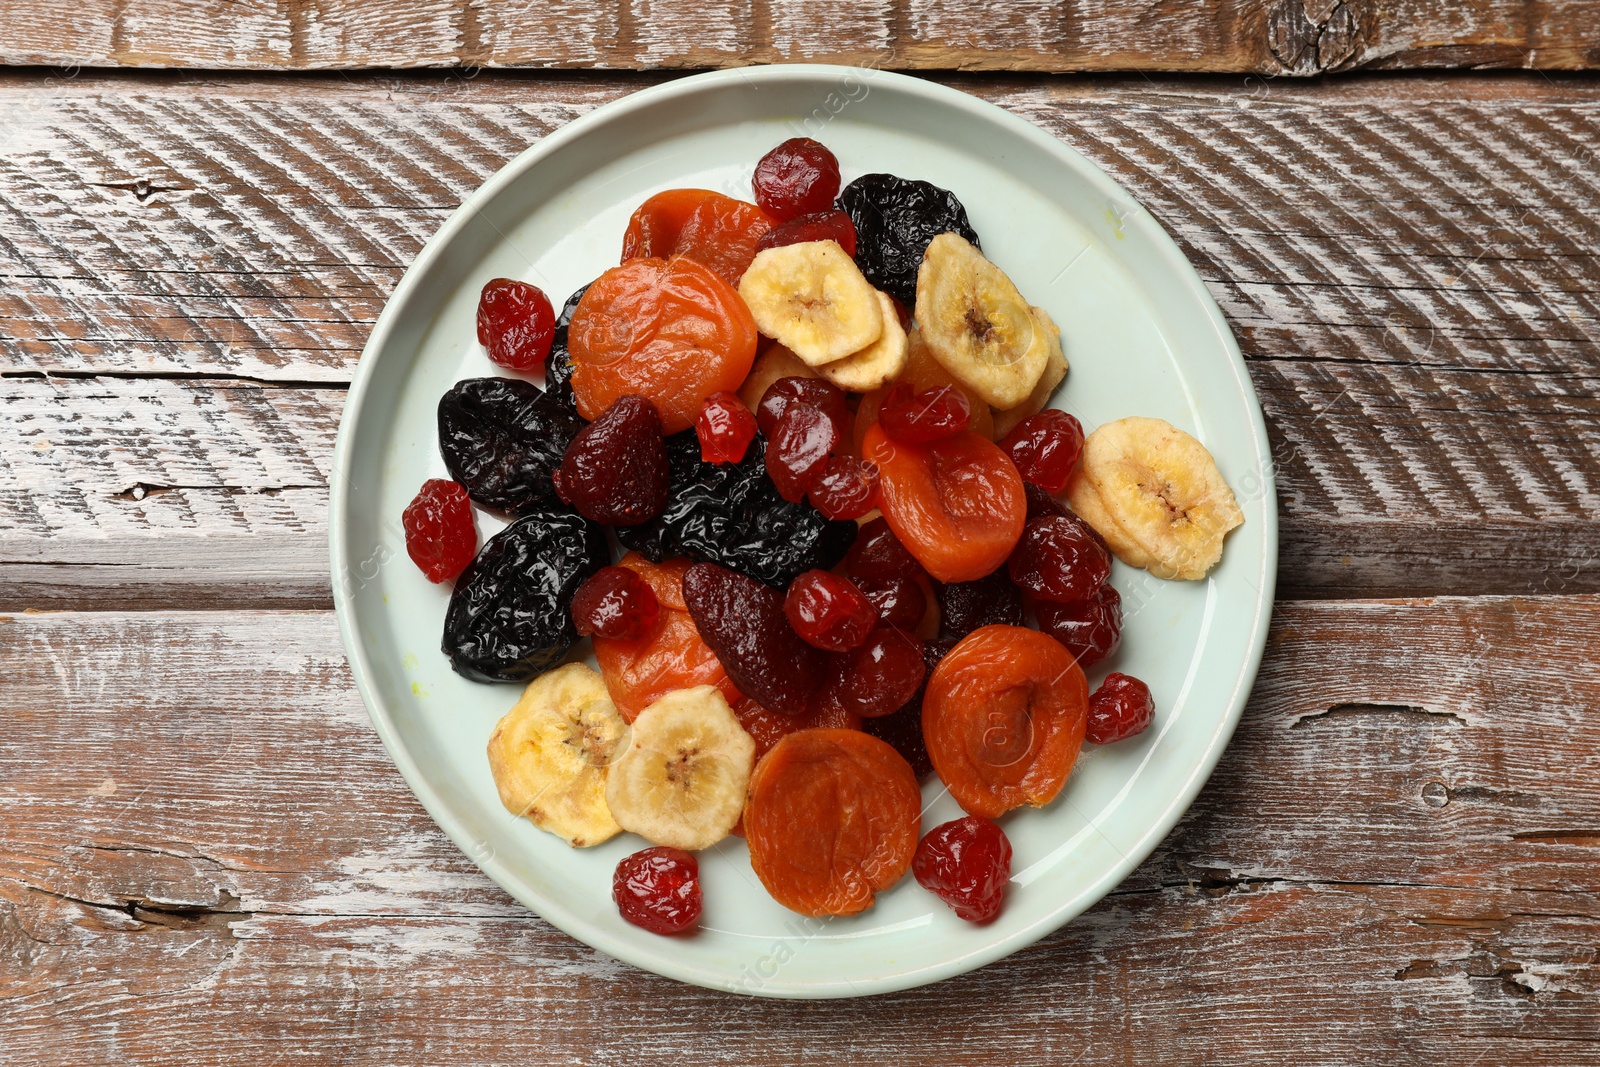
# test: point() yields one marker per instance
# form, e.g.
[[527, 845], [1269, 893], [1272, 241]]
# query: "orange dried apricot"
[[670, 330], [957, 503], [1003, 718], [832, 818], [714, 229]]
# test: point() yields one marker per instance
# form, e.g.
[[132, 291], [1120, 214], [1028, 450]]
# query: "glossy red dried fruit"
[[1119, 709], [615, 471], [658, 889], [902, 729], [900, 601], [879, 677], [1091, 629], [1046, 448], [725, 428], [847, 488], [440, 537], [820, 226], [515, 323], [801, 443], [814, 392], [966, 863], [798, 177], [919, 417], [965, 606], [615, 602], [1041, 505], [744, 623], [829, 611], [878, 555], [1059, 559]]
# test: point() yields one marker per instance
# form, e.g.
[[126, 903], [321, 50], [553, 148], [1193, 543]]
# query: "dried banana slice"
[[977, 324], [1162, 489], [812, 298], [1084, 500], [550, 752], [1055, 369], [876, 365], [681, 782]]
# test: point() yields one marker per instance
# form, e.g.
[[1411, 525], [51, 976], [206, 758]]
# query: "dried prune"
[[558, 365], [744, 623], [615, 470], [731, 514], [965, 606], [508, 619], [895, 219], [501, 438]]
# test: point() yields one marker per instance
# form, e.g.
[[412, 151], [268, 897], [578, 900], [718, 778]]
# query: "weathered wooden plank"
[[203, 848], [1283, 37], [1411, 267]]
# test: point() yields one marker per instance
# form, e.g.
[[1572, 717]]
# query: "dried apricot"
[[1003, 717], [714, 229], [832, 818], [956, 503], [671, 330]]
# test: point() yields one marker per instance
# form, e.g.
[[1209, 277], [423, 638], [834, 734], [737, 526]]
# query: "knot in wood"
[[1311, 37]]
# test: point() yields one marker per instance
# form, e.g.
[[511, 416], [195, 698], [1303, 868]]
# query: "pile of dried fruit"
[[817, 425]]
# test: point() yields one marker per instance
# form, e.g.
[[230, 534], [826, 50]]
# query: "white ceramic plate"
[[1144, 338]]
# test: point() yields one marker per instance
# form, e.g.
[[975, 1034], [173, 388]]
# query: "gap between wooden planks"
[[1279, 37], [205, 851], [193, 264]]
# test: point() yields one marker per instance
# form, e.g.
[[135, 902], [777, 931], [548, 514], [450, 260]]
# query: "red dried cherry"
[[878, 555], [965, 606], [615, 602], [1046, 448], [847, 488], [516, 324], [966, 863], [1119, 709], [1060, 559], [785, 393], [900, 601], [798, 177], [725, 428], [829, 611], [658, 889], [919, 417], [902, 729], [880, 676], [615, 471], [821, 226], [801, 443], [440, 537], [1091, 629]]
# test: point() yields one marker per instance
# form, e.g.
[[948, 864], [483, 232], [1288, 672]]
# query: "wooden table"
[[205, 854]]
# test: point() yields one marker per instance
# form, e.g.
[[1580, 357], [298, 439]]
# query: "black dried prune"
[[990, 600], [731, 513], [558, 365], [895, 218], [508, 619], [501, 438]]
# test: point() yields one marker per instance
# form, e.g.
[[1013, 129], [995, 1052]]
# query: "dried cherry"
[[801, 443], [847, 488], [515, 324], [744, 623], [1059, 558], [789, 392], [879, 677], [878, 555], [658, 889], [440, 537], [1046, 448], [501, 438], [767, 728], [919, 417], [508, 619], [615, 602], [558, 365], [829, 611], [725, 428], [615, 471], [900, 601], [1090, 629], [966, 863], [821, 226], [1121, 708], [708, 227], [903, 728], [798, 177], [987, 601], [895, 219]]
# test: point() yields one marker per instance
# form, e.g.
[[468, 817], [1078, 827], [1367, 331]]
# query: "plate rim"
[[663, 963]]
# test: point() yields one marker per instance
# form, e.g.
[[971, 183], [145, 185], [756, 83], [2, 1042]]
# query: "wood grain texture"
[[191, 268], [1279, 37], [1409, 852]]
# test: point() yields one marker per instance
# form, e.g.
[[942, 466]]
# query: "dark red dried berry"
[[615, 471], [615, 602], [1041, 505], [816, 392], [900, 601], [847, 488], [799, 177], [878, 555], [516, 324], [1090, 629], [902, 729], [440, 537], [658, 889], [1119, 709], [880, 676], [966, 863], [801, 444], [829, 611], [725, 428], [991, 600], [821, 226], [744, 623], [1046, 448], [930, 415], [1059, 558]]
